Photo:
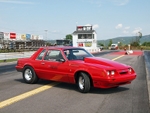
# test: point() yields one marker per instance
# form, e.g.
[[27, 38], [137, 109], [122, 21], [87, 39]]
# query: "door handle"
[[52, 67], [49, 66], [42, 63]]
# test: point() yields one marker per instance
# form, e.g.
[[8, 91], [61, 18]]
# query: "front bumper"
[[113, 81]]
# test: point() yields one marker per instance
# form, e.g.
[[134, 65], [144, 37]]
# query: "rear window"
[[40, 56]]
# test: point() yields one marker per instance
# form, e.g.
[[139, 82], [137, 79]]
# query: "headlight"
[[110, 73]]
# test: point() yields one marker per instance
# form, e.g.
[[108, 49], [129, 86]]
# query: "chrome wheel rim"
[[81, 83], [28, 74]]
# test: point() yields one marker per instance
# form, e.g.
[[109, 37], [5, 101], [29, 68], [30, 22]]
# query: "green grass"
[[9, 60]]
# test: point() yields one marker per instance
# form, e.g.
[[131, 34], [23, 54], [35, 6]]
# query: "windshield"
[[77, 54]]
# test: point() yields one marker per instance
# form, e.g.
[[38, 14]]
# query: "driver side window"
[[70, 54]]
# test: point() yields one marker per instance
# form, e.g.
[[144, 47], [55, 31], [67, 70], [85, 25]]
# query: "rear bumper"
[[113, 82], [19, 69]]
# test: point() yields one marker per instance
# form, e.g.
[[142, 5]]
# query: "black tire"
[[29, 75], [115, 87], [84, 84]]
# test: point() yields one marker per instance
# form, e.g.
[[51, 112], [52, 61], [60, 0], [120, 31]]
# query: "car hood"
[[105, 62]]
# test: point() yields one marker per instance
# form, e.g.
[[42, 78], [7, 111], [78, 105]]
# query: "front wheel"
[[84, 83], [29, 75]]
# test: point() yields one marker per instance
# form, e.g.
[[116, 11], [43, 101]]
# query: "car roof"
[[60, 47]]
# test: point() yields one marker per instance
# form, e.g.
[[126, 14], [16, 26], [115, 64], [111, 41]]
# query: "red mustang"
[[74, 65]]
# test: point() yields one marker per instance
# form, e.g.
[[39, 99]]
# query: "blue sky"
[[110, 18]]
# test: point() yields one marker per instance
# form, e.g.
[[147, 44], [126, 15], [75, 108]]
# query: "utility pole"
[[46, 37], [46, 34]]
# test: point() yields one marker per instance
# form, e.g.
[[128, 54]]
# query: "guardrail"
[[13, 55]]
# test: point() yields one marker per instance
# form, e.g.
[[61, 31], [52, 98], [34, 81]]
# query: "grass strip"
[[8, 60]]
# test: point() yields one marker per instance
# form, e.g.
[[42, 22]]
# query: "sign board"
[[12, 35], [23, 37], [28, 36], [6, 36]]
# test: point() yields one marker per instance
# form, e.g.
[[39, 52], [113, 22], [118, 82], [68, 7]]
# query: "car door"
[[55, 67], [37, 64]]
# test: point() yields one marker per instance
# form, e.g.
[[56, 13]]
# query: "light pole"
[[46, 34], [118, 45]]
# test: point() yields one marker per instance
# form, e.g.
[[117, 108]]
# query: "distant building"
[[63, 42], [85, 37], [20, 41]]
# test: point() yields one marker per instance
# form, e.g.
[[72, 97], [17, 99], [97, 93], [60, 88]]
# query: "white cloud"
[[119, 26], [88, 25], [54, 31], [15, 2], [99, 3], [94, 2], [95, 26], [120, 2], [125, 32], [127, 27], [136, 30]]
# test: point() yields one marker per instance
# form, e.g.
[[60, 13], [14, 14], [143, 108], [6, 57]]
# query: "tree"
[[138, 37], [146, 44], [48, 44], [135, 44], [120, 44], [68, 37], [110, 42], [100, 44]]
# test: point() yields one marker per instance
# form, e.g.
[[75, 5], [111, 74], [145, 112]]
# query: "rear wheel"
[[29, 75], [84, 83]]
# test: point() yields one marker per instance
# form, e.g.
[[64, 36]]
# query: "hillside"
[[125, 40]]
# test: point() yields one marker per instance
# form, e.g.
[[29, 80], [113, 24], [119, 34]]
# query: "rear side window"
[[40, 56], [53, 55]]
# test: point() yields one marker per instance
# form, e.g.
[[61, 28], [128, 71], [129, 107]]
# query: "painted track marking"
[[25, 95], [118, 57]]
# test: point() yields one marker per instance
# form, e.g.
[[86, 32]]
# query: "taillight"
[[18, 62], [130, 70]]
